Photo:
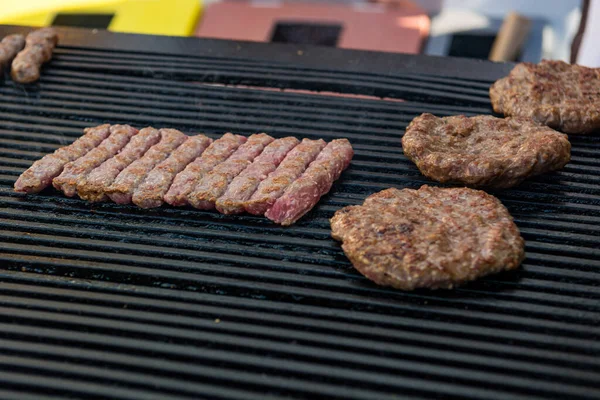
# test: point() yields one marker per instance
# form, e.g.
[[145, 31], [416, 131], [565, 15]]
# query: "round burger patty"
[[428, 238], [553, 93], [483, 151]]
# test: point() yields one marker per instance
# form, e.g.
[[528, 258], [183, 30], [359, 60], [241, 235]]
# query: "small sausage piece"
[[123, 187], [39, 176], [187, 179], [94, 187], [151, 192], [290, 168], [242, 186], [38, 50], [10, 46], [76, 171], [214, 184], [302, 195]]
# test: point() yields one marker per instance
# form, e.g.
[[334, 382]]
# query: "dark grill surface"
[[107, 301]]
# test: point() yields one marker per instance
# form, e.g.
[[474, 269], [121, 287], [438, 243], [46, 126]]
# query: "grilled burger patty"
[[483, 151], [553, 93], [428, 238]]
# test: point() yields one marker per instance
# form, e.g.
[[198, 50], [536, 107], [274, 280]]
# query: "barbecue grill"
[[106, 301]]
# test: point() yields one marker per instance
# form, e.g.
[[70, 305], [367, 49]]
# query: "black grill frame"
[[107, 301]]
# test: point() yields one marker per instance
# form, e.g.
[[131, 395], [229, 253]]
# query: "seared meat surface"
[[428, 238]]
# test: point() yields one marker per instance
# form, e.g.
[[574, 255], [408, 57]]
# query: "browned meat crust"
[[151, 192], [292, 166], [305, 192], [94, 187], [38, 50], [187, 180], [483, 151], [215, 182], [10, 46], [122, 189], [76, 171], [428, 238], [553, 93], [242, 186], [39, 176]]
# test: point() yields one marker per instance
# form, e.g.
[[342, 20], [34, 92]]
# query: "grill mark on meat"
[[39, 176], [215, 182], [292, 166], [304, 193], [186, 180], [39, 46], [99, 179], [10, 46], [151, 191], [76, 172], [428, 238], [483, 150], [245, 184], [122, 189], [554, 93]]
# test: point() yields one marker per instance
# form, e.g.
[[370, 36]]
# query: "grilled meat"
[[428, 238], [215, 182], [151, 191], [39, 46], [242, 186], [10, 46], [483, 151], [150, 167], [121, 191], [188, 179], [76, 171], [39, 176], [292, 166], [553, 93], [93, 188], [304, 193]]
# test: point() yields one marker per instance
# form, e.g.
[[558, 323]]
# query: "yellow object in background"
[[158, 17]]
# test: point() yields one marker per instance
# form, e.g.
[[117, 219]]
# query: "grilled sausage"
[[76, 171], [151, 192], [121, 191], [242, 186], [290, 168], [187, 179], [10, 46], [93, 188], [39, 176], [214, 184], [39, 46], [302, 195]]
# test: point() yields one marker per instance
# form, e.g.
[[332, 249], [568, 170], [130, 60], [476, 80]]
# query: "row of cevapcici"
[[282, 179]]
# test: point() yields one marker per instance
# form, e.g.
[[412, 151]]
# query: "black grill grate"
[[107, 301]]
